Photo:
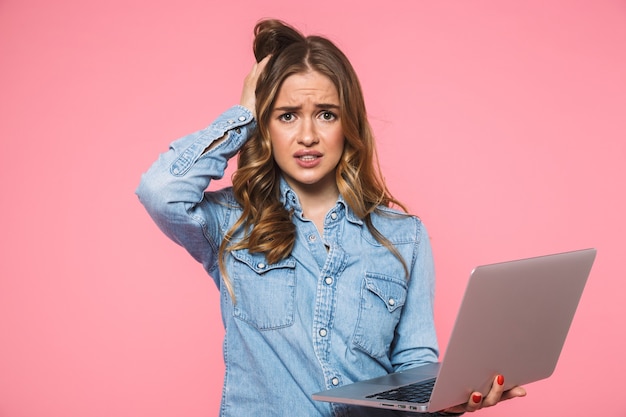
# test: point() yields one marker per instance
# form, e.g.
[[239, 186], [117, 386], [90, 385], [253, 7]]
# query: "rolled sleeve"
[[173, 189]]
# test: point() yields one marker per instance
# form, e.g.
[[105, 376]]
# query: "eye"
[[286, 117], [328, 116]]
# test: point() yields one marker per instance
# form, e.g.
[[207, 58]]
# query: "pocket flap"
[[258, 263], [390, 290]]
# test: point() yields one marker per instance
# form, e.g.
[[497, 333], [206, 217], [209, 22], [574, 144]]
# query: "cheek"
[[280, 147], [276, 138], [339, 142]]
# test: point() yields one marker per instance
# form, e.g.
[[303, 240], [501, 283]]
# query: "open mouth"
[[307, 158]]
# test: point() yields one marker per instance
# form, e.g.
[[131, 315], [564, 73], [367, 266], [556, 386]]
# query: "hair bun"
[[272, 36]]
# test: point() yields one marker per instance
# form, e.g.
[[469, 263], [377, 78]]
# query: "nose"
[[308, 134]]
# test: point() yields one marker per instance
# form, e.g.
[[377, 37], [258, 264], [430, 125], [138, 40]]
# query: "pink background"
[[500, 123]]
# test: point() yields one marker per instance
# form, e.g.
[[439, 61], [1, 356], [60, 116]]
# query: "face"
[[306, 133]]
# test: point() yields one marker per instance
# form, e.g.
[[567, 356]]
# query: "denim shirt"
[[338, 309]]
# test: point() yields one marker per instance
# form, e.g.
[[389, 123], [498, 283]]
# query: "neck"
[[316, 203], [316, 200]]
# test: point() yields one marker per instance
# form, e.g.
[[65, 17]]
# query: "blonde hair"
[[266, 225]]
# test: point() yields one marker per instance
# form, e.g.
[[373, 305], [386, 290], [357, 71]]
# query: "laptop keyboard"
[[418, 392]]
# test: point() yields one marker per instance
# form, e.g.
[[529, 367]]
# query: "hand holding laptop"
[[509, 331], [496, 394]]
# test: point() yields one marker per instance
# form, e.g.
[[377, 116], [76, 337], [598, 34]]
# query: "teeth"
[[308, 157]]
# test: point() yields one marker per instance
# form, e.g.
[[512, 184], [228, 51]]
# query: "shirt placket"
[[325, 297]]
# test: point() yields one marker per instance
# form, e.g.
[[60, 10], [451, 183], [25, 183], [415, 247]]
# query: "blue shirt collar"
[[291, 202]]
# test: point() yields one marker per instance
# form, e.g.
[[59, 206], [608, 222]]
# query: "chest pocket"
[[382, 298], [265, 293]]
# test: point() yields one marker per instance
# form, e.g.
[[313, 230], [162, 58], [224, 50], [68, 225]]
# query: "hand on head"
[[248, 97]]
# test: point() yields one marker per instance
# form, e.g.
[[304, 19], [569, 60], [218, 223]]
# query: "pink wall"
[[501, 123]]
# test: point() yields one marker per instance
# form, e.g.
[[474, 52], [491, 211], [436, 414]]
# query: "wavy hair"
[[265, 225]]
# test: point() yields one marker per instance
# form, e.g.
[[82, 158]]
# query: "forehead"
[[310, 85]]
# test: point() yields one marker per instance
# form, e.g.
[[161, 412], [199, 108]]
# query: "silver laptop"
[[513, 321]]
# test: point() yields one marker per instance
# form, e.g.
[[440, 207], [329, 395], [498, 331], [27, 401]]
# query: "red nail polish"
[[500, 380], [476, 398]]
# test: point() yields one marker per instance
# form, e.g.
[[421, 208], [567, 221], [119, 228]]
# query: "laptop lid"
[[513, 320]]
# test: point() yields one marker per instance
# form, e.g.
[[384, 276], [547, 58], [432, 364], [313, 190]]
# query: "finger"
[[495, 393], [475, 402], [248, 97], [513, 393], [257, 69], [262, 63]]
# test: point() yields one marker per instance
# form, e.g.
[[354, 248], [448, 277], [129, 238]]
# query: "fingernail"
[[500, 380], [476, 398]]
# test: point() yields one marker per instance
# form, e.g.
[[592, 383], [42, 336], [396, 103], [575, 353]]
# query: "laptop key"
[[418, 392]]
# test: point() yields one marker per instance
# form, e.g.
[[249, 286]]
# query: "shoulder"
[[223, 205], [397, 226], [222, 196]]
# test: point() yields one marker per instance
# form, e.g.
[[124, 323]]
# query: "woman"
[[322, 283]]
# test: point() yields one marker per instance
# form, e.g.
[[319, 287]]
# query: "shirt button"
[[231, 121], [328, 280], [392, 302], [242, 118], [260, 265], [323, 332], [335, 381], [333, 215], [312, 238]]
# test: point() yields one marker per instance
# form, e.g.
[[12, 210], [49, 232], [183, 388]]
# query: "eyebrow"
[[296, 108]]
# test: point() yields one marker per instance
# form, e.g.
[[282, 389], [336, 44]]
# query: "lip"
[[308, 158]]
